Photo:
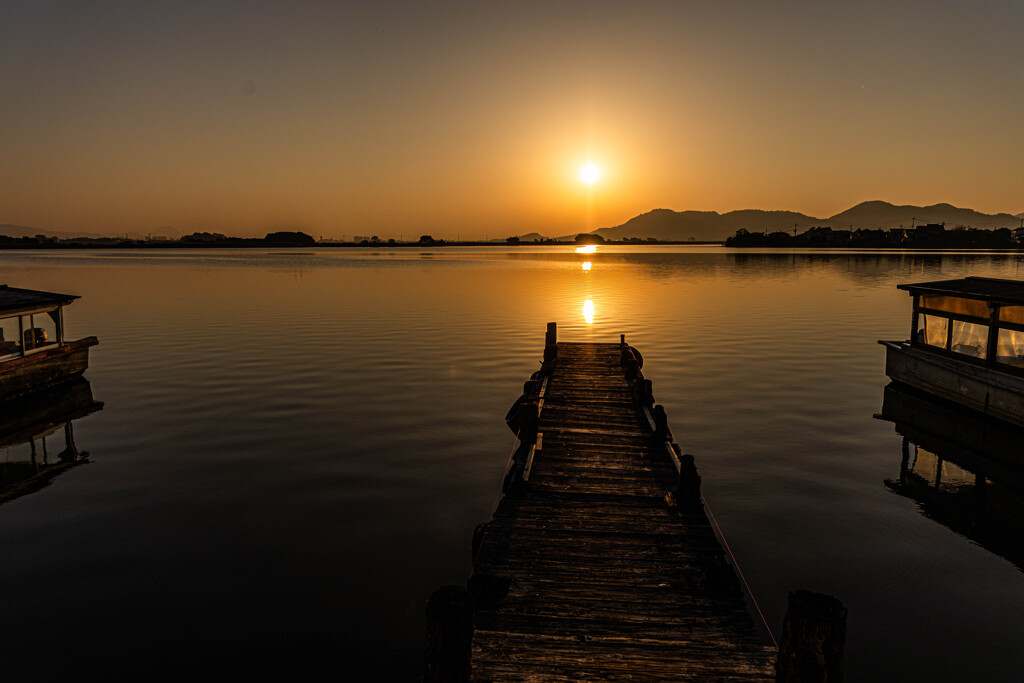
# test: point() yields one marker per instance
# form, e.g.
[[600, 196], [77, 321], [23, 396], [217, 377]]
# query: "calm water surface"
[[296, 446]]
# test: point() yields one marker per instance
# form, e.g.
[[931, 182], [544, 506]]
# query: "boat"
[[33, 352], [966, 345]]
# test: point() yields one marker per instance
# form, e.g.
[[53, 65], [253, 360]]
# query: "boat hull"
[[990, 392], [47, 368]]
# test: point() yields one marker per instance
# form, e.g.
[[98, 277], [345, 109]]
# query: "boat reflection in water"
[[37, 440], [964, 470]]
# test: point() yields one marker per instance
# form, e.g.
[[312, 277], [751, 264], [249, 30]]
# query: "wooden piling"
[[551, 343], [646, 393], [528, 413], [660, 422], [813, 643], [688, 490]]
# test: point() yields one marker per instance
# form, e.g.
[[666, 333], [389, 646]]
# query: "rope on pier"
[[739, 571]]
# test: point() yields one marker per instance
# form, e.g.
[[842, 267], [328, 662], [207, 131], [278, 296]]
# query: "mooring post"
[[688, 491], [551, 343], [813, 643], [660, 421], [646, 393], [528, 422], [629, 365], [449, 636], [622, 339]]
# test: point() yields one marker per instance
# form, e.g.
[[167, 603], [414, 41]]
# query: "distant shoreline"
[[930, 236], [256, 245], [921, 239], [107, 243]]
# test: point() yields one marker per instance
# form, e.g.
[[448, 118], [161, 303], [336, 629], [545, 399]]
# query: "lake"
[[295, 447]]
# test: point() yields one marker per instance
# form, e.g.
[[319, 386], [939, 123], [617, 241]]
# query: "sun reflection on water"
[[588, 311], [586, 265], [587, 249]]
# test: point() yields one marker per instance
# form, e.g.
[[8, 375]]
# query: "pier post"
[[688, 491], [551, 343], [660, 422], [528, 422], [631, 362], [646, 393], [449, 636], [813, 640]]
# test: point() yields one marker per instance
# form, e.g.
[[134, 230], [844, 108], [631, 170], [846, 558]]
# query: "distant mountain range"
[[702, 226], [665, 224]]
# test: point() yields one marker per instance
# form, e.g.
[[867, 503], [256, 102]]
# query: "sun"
[[590, 173]]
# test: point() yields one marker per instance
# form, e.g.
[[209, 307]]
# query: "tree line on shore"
[[196, 239], [931, 236]]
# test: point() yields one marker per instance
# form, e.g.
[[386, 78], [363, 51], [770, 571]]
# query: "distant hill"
[[665, 224], [529, 237], [878, 214]]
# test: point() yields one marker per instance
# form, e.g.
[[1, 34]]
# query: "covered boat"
[[966, 344], [33, 352]]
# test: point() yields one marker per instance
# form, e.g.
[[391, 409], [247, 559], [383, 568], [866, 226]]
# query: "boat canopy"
[[996, 290], [15, 301], [978, 317], [30, 320]]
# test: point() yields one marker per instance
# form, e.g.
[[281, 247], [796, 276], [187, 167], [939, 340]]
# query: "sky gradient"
[[473, 119]]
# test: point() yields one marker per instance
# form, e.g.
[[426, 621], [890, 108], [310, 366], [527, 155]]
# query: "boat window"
[[9, 337], [39, 330], [969, 339], [952, 304], [1010, 348], [26, 458], [939, 473], [1012, 314], [932, 330], [953, 478]]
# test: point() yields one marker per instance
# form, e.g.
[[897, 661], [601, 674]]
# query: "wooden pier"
[[600, 562]]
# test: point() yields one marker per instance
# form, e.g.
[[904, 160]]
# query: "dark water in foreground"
[[295, 448]]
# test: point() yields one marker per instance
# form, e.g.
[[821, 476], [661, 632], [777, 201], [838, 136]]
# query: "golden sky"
[[474, 118]]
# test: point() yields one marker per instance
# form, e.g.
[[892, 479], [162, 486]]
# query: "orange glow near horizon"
[[344, 120]]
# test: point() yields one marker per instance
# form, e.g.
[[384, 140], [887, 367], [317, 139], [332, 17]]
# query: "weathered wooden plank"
[[589, 568]]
